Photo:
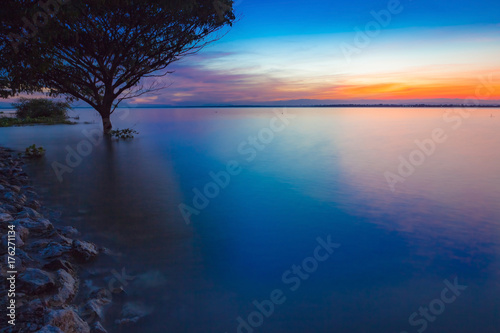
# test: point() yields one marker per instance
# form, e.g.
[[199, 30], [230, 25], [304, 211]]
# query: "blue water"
[[322, 175]]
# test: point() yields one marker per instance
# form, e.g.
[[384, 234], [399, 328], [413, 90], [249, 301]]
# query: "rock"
[[38, 245], [54, 250], [69, 232], [39, 226], [84, 251], [5, 217], [10, 196], [50, 329], [32, 313], [9, 208], [97, 328], [16, 189], [21, 199], [23, 232], [28, 212], [67, 288], [58, 264], [34, 204], [103, 295], [36, 281], [132, 312], [18, 242], [67, 321], [21, 259], [92, 311]]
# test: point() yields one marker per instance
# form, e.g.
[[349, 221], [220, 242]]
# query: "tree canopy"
[[99, 51]]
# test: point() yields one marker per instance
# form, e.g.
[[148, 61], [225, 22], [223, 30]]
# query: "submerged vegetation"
[[34, 152], [126, 133]]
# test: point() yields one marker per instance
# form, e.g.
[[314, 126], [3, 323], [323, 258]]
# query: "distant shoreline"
[[298, 106]]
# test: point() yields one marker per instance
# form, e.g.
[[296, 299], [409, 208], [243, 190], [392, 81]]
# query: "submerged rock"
[[92, 311], [132, 312], [84, 251], [69, 232], [97, 328]]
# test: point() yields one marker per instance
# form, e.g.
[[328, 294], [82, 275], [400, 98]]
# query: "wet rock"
[[103, 295], [21, 259], [67, 288], [97, 328], [23, 232], [5, 218], [28, 212], [92, 311], [32, 314], [21, 199], [37, 245], [84, 251], [36, 281], [17, 241], [132, 312], [67, 321], [9, 208], [16, 189], [54, 250], [58, 264], [69, 232], [40, 226], [10, 196], [33, 204], [50, 329]]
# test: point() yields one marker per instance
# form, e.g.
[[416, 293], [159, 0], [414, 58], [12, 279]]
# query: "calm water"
[[320, 175]]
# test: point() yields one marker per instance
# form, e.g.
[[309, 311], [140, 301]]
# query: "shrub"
[[126, 133], [40, 108], [34, 152]]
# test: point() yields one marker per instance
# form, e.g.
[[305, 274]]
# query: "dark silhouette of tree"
[[100, 51]]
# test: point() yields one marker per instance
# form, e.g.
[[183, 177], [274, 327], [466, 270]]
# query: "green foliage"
[[126, 133], [40, 108], [34, 152]]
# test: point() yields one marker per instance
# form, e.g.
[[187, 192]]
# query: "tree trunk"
[[105, 112], [106, 124]]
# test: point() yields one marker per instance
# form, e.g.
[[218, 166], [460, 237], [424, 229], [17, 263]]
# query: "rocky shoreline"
[[49, 261]]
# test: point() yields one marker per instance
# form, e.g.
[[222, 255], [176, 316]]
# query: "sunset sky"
[[288, 50], [282, 50]]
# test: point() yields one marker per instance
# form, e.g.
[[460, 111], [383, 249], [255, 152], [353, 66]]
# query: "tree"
[[100, 51]]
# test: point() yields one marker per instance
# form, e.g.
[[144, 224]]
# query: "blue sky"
[[284, 50], [429, 51]]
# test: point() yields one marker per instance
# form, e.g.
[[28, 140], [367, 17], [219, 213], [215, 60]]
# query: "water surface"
[[323, 174]]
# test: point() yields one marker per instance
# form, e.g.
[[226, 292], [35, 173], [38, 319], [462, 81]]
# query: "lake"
[[248, 220]]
